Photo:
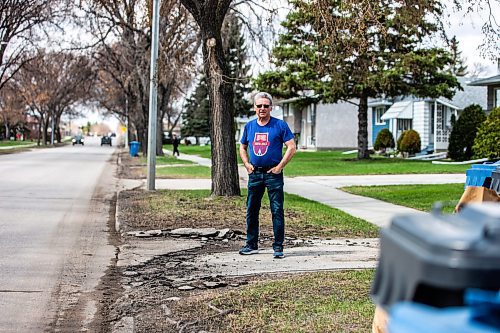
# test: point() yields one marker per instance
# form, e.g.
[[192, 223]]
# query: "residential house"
[[322, 126], [430, 117], [492, 85]]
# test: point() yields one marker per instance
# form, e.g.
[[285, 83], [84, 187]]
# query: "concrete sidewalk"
[[324, 189]]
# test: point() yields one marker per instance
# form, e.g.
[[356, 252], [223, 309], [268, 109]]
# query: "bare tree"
[[477, 70], [490, 25], [53, 84], [124, 60], [19, 20], [11, 109]]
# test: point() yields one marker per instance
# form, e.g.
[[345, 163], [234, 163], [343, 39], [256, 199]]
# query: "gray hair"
[[262, 94]]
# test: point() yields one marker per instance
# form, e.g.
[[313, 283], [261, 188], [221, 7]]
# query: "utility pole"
[[151, 166]]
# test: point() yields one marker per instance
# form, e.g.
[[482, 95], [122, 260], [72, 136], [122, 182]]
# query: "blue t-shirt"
[[266, 142]]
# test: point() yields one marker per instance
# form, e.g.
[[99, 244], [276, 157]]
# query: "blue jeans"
[[257, 184]]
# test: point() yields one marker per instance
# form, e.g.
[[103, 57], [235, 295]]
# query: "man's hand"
[[249, 167], [276, 170]]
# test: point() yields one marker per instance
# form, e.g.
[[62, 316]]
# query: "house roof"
[[486, 81], [379, 102], [399, 110], [470, 95]]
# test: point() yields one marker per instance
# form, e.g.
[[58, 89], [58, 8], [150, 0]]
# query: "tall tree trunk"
[[363, 152], [45, 130], [209, 14], [224, 167], [57, 136], [39, 126]]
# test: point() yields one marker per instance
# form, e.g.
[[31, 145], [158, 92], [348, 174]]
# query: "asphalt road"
[[54, 210]]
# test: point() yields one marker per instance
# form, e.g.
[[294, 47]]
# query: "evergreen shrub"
[[487, 142], [464, 132], [384, 140], [411, 142]]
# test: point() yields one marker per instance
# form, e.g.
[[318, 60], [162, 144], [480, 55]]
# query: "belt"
[[263, 168]]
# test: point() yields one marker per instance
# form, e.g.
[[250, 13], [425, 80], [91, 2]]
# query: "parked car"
[[106, 140], [78, 139]]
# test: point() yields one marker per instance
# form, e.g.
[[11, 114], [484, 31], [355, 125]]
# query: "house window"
[[404, 124], [286, 110], [379, 112], [497, 98]]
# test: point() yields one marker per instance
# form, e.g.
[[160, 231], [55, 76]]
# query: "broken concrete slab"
[[146, 234], [139, 251], [188, 232], [224, 233]]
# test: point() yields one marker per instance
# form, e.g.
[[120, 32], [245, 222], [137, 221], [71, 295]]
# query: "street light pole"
[[151, 166]]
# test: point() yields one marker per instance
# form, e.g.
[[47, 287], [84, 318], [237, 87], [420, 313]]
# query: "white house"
[[318, 125], [431, 118]]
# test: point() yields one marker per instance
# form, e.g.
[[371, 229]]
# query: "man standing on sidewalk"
[[265, 136]]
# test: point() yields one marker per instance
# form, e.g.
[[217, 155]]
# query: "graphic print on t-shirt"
[[260, 144]]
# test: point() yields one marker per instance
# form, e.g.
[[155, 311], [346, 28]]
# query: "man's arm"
[[244, 158], [290, 151]]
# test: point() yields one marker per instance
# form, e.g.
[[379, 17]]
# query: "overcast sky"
[[467, 29]]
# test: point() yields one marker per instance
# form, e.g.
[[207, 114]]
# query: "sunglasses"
[[265, 106]]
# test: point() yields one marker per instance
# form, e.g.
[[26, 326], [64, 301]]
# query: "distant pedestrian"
[[265, 136], [175, 143]]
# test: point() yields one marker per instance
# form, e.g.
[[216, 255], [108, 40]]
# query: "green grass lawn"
[[185, 171], [172, 167], [8, 143], [202, 151], [303, 217], [421, 197], [315, 302], [334, 163]]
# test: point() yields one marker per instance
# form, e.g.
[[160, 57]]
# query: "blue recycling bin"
[[481, 315], [477, 174], [134, 148]]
